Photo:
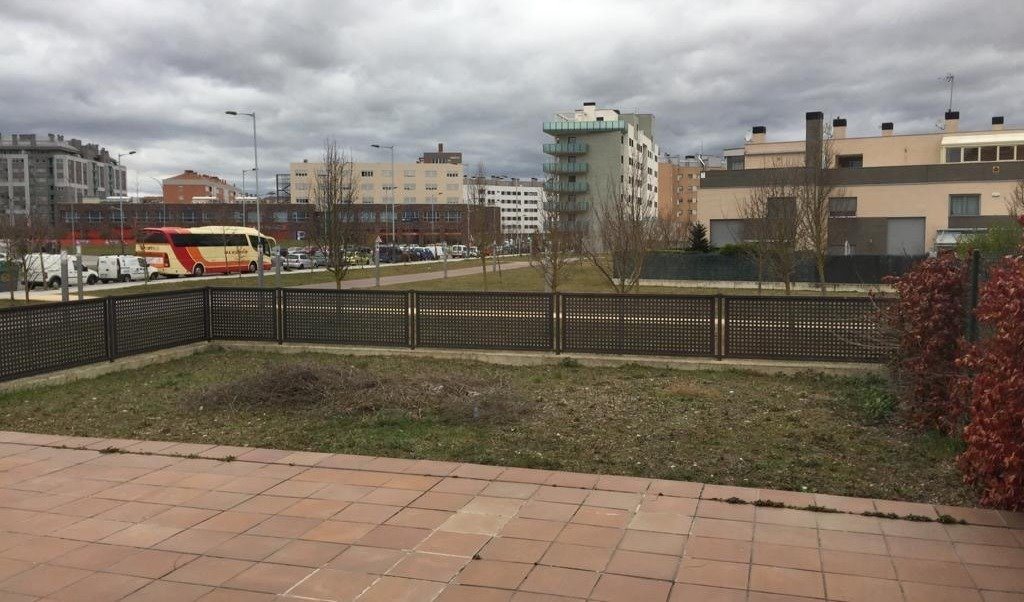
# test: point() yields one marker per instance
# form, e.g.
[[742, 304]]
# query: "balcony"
[[565, 187], [565, 168], [578, 127], [567, 207], [565, 148]]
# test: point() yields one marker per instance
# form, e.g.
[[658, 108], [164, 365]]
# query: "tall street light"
[[391, 147], [121, 198], [256, 171], [163, 201]]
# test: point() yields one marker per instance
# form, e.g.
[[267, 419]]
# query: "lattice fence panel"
[[40, 339], [378, 318], [639, 324], [805, 328], [157, 321], [484, 320], [248, 314]]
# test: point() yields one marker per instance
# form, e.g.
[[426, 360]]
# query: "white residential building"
[[521, 202]]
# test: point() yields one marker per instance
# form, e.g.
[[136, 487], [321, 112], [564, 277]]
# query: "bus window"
[[155, 238]]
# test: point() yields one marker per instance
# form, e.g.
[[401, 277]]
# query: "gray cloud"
[[482, 76]]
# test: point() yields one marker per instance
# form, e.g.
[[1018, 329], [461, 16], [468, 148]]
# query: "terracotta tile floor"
[[148, 525]]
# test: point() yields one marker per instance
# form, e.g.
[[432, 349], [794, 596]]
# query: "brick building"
[[184, 187]]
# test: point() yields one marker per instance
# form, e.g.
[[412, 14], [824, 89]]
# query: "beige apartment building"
[[896, 194], [414, 183]]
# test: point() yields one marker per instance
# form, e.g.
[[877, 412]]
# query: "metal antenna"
[[951, 80]]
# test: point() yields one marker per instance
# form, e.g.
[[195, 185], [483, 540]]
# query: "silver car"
[[298, 261]]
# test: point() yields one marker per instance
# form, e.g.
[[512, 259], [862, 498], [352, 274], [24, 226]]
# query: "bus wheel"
[[198, 270], [252, 267]]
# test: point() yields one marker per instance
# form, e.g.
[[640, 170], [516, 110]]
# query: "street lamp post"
[[391, 147], [256, 174], [163, 201], [121, 198]]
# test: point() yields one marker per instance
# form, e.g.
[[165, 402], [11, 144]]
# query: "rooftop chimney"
[[952, 122], [758, 134], [839, 128], [887, 128], [812, 141], [440, 147], [997, 123], [590, 103]]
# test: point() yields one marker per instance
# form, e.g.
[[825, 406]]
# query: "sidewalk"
[[84, 518]]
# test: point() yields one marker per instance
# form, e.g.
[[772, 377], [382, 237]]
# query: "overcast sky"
[[481, 76]]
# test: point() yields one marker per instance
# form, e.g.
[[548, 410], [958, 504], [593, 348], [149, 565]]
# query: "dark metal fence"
[[638, 324], [484, 320], [803, 328], [44, 338], [379, 318]]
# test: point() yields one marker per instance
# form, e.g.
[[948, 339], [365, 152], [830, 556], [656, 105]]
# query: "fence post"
[[622, 323], [279, 308], [109, 332], [207, 314], [721, 325], [64, 276], [556, 326], [411, 304], [972, 319]]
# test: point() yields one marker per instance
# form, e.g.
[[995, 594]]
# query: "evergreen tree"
[[698, 238]]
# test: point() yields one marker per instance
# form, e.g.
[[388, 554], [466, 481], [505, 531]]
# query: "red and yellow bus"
[[176, 252]]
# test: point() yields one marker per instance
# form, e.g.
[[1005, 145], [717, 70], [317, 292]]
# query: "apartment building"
[[520, 202], [599, 154], [679, 181], [426, 183], [895, 194], [36, 174], [441, 156], [191, 186]]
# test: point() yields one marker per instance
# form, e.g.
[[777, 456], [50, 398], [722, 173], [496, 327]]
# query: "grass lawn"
[[288, 278], [584, 278], [19, 301], [805, 432]]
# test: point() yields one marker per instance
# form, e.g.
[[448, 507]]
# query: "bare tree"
[[625, 225], [335, 224], [1015, 204], [19, 236], [770, 223], [555, 246], [813, 186], [484, 222]]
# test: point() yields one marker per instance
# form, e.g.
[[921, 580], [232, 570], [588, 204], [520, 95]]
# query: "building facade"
[[520, 203], [415, 223], [441, 156], [37, 174], [895, 194], [422, 183], [596, 156], [189, 185], [679, 182]]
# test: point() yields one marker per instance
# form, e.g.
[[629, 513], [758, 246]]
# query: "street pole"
[[123, 192], [256, 174], [391, 147]]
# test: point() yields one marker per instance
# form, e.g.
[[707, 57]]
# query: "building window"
[[1020, 152], [1006, 153], [408, 186], [409, 173], [964, 204], [366, 173], [733, 163], [971, 153], [953, 155], [850, 161], [842, 206], [430, 174], [988, 153]]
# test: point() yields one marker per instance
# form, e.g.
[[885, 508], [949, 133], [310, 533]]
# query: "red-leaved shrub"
[[994, 455], [927, 321]]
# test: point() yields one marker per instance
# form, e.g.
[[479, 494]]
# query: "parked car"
[[473, 252], [319, 259], [123, 268], [298, 261], [394, 255], [458, 251], [421, 254], [44, 269]]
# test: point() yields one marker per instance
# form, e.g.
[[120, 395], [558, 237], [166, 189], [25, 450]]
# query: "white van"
[[44, 269], [458, 250], [123, 268]]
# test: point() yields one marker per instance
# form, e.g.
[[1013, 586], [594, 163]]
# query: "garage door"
[[905, 236]]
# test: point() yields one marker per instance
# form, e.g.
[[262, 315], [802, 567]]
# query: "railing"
[[576, 167], [565, 148], [559, 127], [43, 338], [553, 186], [567, 206]]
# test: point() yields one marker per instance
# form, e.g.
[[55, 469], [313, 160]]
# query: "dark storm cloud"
[[481, 76]]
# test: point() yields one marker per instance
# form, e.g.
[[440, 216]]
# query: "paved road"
[[410, 278]]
